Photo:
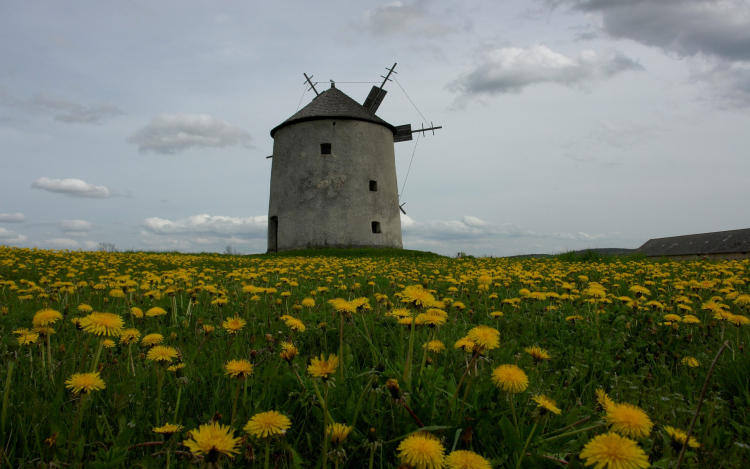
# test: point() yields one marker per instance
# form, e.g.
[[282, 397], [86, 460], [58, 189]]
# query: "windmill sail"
[[374, 99], [403, 133]]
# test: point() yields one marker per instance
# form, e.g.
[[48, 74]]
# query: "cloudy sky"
[[566, 123]]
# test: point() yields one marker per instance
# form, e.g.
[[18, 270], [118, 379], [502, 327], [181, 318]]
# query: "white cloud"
[[12, 218], [249, 227], [172, 133], [404, 18], [90, 245], [75, 225], [73, 188], [11, 237], [511, 69]]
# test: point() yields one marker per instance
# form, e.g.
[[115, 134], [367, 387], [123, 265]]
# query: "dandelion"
[[537, 354], [289, 352], [295, 324], [103, 324], [510, 379], [739, 320], [629, 420], [28, 338], [691, 362], [234, 325], [486, 338], [679, 437], [308, 302], [176, 368], [161, 353], [207, 328], [463, 459], [611, 451], [238, 369], [392, 386], [603, 400], [434, 346], [338, 432], [168, 429], [422, 451], [108, 343], [85, 382], [267, 424], [130, 336], [574, 318], [155, 312], [417, 295], [212, 440], [322, 368], [152, 339], [137, 312], [45, 317], [466, 344], [545, 404], [84, 308]]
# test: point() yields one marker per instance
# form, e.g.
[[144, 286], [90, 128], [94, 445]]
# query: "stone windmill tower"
[[333, 177]]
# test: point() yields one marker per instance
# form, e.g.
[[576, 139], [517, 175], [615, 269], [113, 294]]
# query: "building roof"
[[719, 242], [333, 104]]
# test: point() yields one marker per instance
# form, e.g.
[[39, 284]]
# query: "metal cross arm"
[[312, 87]]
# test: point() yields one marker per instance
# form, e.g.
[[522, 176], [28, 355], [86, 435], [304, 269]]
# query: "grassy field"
[[599, 347]]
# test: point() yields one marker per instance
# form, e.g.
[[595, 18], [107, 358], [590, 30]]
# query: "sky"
[[567, 124]]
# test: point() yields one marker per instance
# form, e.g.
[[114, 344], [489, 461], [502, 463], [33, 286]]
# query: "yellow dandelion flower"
[[679, 437], [487, 338], [322, 368], [510, 378], [417, 295], [207, 328], [338, 432], [238, 369], [130, 336], [105, 324], [267, 424], [152, 339], [434, 346], [545, 404], [308, 302], [84, 308], [494, 314], [137, 312], [161, 353], [422, 451], [234, 325], [85, 382], [603, 399], [629, 420], [176, 368], [739, 320], [574, 318], [537, 353], [611, 451], [295, 324], [463, 459], [28, 338], [117, 293], [466, 344], [168, 429], [692, 362], [289, 352], [212, 439], [108, 343], [156, 311], [673, 318], [45, 317]]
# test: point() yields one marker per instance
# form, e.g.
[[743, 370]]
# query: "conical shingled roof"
[[333, 104]]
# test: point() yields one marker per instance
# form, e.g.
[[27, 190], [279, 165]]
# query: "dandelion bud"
[[61, 349], [142, 356], [269, 338], [173, 336], [393, 388]]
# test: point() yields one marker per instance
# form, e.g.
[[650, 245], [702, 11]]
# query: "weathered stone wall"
[[325, 200]]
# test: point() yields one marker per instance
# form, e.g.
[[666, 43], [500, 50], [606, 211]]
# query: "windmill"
[[333, 176]]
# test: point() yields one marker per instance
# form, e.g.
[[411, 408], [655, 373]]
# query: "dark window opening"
[[373, 186], [273, 234], [376, 227], [325, 148], [334, 123]]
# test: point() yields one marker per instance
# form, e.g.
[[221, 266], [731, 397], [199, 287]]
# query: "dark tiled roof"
[[333, 104], [719, 242]]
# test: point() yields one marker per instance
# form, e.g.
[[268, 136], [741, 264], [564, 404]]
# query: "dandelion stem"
[[236, 398], [267, 455], [325, 427], [6, 394], [513, 410], [460, 382], [424, 357], [341, 350], [177, 406], [361, 398], [407, 365], [98, 354], [574, 432], [700, 402], [523, 452], [49, 355]]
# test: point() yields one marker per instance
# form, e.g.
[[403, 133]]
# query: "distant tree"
[[107, 247], [230, 250]]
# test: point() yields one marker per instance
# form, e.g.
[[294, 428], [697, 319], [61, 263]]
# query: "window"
[[376, 227], [325, 148], [373, 186]]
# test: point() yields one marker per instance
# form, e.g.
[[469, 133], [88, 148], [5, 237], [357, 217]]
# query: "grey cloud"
[[714, 34], [405, 18], [248, 227], [12, 218], [71, 112], [468, 228], [61, 243], [172, 133], [614, 136], [511, 69], [11, 237], [75, 226], [73, 188]]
